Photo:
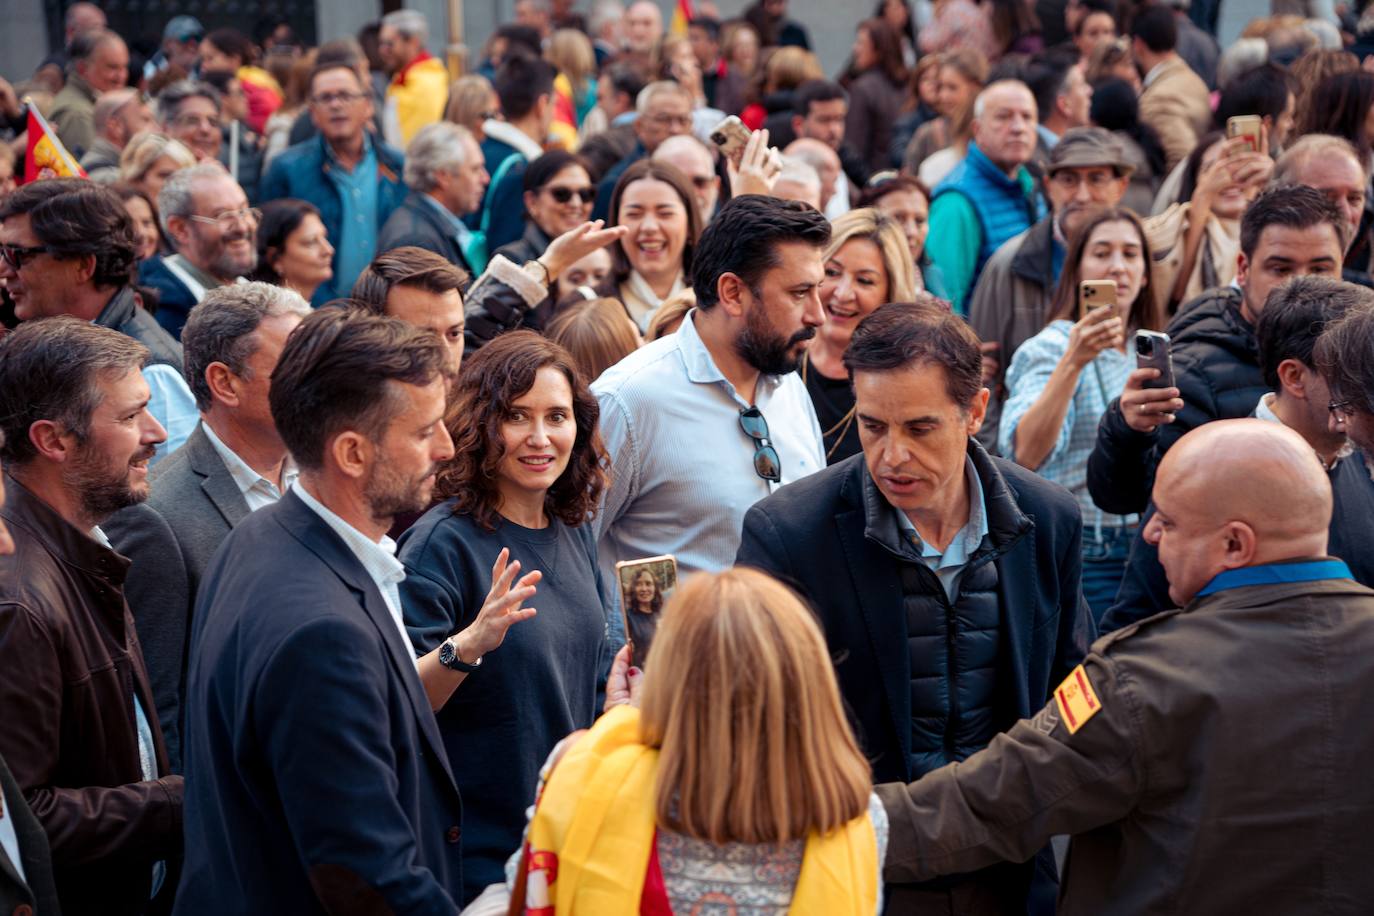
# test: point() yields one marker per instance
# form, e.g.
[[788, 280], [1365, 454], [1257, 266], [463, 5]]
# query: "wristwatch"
[[448, 657]]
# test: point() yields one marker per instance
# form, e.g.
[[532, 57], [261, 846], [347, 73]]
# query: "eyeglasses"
[[191, 120], [229, 218], [702, 182], [1070, 179], [767, 464], [14, 255], [670, 120], [325, 99], [1341, 410], [563, 194]]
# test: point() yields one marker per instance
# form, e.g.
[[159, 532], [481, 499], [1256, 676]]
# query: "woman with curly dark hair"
[[526, 477]]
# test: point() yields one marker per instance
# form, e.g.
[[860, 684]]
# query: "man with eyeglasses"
[[1087, 169], [693, 159], [524, 87], [206, 214], [1345, 357], [68, 247], [446, 178], [353, 179], [947, 581], [702, 424], [189, 111], [664, 109]]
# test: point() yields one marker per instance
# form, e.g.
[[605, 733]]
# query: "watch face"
[[447, 653]]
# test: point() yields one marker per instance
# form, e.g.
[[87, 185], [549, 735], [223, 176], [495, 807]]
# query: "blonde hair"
[[469, 98], [571, 53], [759, 751], [147, 147], [598, 333], [883, 231], [788, 67], [668, 318]]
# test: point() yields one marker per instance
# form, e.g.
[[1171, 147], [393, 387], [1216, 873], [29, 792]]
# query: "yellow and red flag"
[[46, 157], [683, 14]]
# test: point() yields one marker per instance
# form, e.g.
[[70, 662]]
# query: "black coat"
[[416, 223], [317, 780], [37, 891], [812, 534], [1216, 368]]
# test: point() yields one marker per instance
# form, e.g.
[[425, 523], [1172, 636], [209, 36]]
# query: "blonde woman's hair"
[[469, 98], [759, 751], [598, 333], [788, 67], [883, 231], [669, 316], [147, 147], [571, 53]]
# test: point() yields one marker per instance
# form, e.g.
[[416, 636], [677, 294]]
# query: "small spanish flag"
[[683, 14], [46, 157]]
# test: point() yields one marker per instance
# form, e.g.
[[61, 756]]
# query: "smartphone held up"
[[645, 586]]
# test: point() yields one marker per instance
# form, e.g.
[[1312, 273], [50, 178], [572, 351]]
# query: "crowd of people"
[[646, 475]]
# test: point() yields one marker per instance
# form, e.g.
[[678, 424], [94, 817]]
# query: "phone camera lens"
[[1144, 346]]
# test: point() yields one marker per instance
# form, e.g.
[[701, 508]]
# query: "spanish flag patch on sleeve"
[[1076, 700]]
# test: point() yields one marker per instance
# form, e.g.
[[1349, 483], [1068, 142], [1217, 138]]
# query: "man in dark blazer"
[[946, 580], [317, 781], [234, 462], [446, 177]]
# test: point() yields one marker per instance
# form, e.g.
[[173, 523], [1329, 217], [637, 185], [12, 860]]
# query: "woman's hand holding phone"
[[1100, 329], [625, 681]]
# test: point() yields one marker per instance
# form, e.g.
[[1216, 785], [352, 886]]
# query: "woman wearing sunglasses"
[[558, 197]]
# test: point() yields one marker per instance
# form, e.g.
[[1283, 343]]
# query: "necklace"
[[840, 429]]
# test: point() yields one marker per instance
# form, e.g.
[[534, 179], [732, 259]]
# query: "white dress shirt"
[[257, 490], [9, 840], [682, 472], [377, 557]]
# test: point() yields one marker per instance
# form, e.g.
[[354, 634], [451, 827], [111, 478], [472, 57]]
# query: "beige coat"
[[1176, 104]]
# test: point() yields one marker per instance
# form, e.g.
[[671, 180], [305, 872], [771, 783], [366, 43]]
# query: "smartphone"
[[1251, 127], [731, 136], [645, 586], [1152, 352], [1095, 294]]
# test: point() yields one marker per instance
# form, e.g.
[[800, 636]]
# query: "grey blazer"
[[35, 893], [193, 506]]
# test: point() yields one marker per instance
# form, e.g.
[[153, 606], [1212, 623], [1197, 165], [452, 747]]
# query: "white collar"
[[243, 474], [512, 136], [378, 557]]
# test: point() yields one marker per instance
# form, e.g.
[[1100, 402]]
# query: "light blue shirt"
[[682, 472], [257, 490], [357, 242], [9, 840], [377, 557], [949, 566], [1100, 381], [460, 232], [171, 403]]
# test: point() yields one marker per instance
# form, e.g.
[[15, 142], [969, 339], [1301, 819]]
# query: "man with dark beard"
[[317, 779], [947, 581], [81, 731], [1345, 357], [702, 424]]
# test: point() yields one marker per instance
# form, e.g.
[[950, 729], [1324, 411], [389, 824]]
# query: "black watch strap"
[[448, 657]]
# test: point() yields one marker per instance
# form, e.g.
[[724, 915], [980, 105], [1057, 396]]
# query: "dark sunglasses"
[[563, 195], [767, 464], [14, 255]]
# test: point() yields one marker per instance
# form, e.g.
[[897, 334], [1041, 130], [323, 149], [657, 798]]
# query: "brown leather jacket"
[[70, 665]]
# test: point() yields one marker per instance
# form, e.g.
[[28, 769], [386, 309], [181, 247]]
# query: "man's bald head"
[[1236, 493], [820, 157]]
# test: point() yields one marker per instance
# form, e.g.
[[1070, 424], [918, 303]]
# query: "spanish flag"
[[683, 14], [46, 157]]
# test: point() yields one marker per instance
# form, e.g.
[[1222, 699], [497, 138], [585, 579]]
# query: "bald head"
[[1237, 493], [691, 157], [821, 157]]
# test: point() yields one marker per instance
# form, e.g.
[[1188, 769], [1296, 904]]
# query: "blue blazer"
[[302, 171], [316, 779]]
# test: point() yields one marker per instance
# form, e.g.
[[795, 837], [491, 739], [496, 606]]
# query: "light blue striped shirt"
[[1100, 381], [682, 472]]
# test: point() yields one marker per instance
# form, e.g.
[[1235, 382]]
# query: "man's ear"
[[352, 453], [51, 441], [223, 384], [1293, 378], [733, 295], [179, 229]]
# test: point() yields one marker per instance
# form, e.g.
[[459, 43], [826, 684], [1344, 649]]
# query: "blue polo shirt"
[[356, 245], [949, 565]]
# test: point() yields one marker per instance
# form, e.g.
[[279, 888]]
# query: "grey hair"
[[410, 23], [604, 11], [799, 171], [221, 330], [1295, 157], [1242, 56], [111, 104], [653, 90], [177, 198], [435, 148], [980, 103], [50, 369], [170, 98]]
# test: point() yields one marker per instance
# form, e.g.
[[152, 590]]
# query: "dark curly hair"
[[75, 218], [491, 380]]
